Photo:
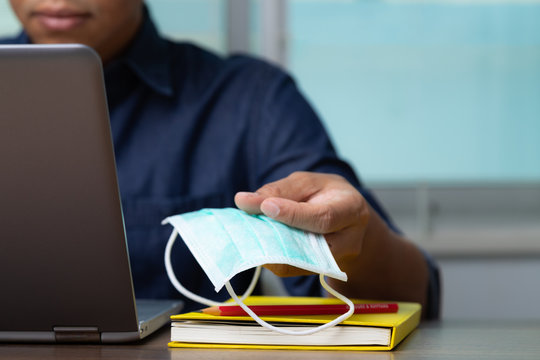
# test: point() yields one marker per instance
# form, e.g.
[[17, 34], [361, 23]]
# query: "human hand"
[[322, 203]]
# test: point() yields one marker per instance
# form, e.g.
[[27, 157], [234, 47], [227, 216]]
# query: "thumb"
[[302, 215]]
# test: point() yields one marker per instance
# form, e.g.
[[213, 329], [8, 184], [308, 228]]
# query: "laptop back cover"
[[63, 257]]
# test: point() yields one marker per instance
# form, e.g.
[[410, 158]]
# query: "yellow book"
[[359, 332]]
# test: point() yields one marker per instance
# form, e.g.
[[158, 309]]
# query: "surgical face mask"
[[228, 241]]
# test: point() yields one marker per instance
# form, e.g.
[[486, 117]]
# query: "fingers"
[[321, 203], [303, 215], [249, 202], [298, 186], [332, 209]]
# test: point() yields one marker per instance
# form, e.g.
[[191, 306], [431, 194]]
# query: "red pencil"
[[318, 309]]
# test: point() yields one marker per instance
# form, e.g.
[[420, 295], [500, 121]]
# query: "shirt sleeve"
[[290, 137]]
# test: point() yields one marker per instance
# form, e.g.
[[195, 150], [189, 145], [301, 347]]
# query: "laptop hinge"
[[70, 334]]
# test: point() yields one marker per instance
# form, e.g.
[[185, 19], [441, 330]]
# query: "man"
[[192, 130]]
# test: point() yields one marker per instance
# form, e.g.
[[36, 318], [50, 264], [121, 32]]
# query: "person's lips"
[[61, 20]]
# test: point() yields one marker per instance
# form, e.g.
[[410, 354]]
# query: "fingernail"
[[270, 209]]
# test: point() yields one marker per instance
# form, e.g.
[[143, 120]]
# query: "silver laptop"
[[64, 265]]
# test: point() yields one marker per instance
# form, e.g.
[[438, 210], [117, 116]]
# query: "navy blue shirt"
[[190, 130]]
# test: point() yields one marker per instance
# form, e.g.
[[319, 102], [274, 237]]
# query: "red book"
[[262, 310]]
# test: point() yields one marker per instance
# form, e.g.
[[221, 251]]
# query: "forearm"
[[388, 267]]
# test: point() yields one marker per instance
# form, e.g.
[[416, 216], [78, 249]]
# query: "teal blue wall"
[[201, 21], [413, 91]]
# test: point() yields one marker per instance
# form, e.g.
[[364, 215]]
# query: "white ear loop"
[[263, 323], [251, 287], [189, 294]]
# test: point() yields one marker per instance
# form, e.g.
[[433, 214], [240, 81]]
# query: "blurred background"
[[435, 103]]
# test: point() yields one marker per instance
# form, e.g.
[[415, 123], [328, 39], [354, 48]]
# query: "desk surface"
[[440, 340]]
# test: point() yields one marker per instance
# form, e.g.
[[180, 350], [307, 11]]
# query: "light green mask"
[[228, 241]]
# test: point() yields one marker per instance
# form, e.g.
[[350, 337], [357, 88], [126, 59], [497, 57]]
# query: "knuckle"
[[292, 217], [297, 175], [270, 189], [326, 220], [361, 212], [302, 177]]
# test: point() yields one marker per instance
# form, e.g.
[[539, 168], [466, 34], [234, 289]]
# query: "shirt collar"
[[148, 57], [22, 38]]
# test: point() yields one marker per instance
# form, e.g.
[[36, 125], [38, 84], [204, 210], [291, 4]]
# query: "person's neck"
[[121, 42]]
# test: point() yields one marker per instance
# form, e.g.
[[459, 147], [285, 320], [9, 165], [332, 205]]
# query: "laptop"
[[64, 265]]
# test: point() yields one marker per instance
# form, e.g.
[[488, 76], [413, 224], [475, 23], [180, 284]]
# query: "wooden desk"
[[441, 340]]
